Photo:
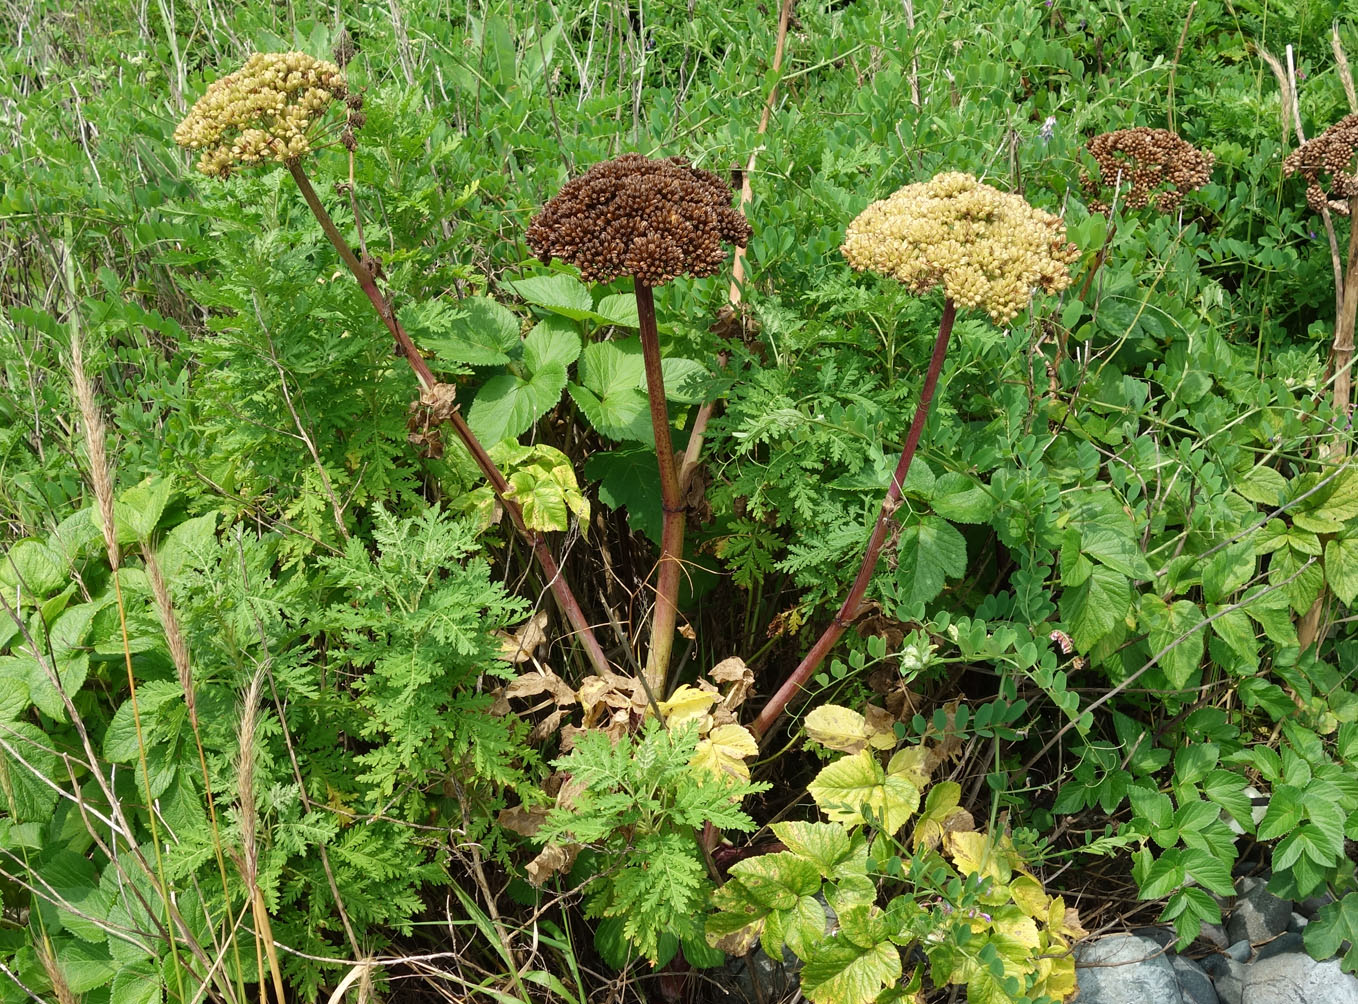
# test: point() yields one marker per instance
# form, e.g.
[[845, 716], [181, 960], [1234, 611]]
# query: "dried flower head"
[[1329, 153], [651, 219], [263, 112], [986, 248], [1146, 159]]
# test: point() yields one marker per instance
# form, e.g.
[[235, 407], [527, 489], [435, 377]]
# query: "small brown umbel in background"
[[1327, 164], [653, 220], [1139, 162], [273, 110]]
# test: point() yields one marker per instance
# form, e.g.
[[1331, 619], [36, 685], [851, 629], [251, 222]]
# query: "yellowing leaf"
[[1064, 920], [855, 786], [974, 854], [913, 764], [724, 751], [941, 815], [1055, 977], [1030, 897], [687, 704], [838, 728]]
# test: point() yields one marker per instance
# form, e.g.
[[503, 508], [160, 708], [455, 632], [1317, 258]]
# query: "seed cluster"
[[1329, 153], [1146, 159], [986, 248], [262, 112], [654, 219]]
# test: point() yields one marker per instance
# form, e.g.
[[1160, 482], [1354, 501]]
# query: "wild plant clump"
[[986, 248], [1146, 159], [654, 219], [263, 112], [1329, 153]]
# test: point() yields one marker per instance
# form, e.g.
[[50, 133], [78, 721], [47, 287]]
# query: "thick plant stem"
[[556, 582], [773, 710], [671, 501]]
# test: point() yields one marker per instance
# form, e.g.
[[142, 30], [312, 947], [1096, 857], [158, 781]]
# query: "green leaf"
[[560, 293], [1177, 625], [507, 405], [628, 480], [1153, 806], [1164, 875], [1233, 627], [1341, 568], [840, 972], [610, 374], [1333, 925], [1208, 871], [1263, 485], [552, 340], [962, 499], [136, 984], [1093, 607], [931, 550], [1118, 550], [476, 331], [24, 756], [686, 381], [1228, 570], [34, 566], [85, 965], [1296, 577], [619, 309]]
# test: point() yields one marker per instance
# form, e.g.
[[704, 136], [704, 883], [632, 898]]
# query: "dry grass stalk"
[[62, 989], [248, 859], [92, 425]]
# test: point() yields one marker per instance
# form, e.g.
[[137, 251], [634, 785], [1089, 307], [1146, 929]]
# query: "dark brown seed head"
[[1330, 153], [1140, 162], [654, 219]]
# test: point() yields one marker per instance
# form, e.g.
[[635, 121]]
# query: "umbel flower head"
[[654, 219], [263, 112], [1143, 160], [1329, 153], [986, 248]]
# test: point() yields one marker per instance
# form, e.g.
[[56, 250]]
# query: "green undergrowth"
[[314, 709]]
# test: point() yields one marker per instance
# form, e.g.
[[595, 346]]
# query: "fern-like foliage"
[[641, 806], [419, 623]]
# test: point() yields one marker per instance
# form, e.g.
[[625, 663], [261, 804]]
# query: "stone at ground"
[[1298, 923], [1126, 969], [1215, 935], [1258, 915], [1296, 978], [1194, 985]]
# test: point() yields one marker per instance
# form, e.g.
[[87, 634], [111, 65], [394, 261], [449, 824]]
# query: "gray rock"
[[1258, 914], [1284, 944], [1240, 951], [1296, 978], [1298, 923], [1312, 904], [1215, 935], [1162, 936], [1194, 985], [1229, 980], [1125, 969]]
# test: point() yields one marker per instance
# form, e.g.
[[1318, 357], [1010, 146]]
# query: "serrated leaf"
[[1334, 925], [1117, 550], [844, 729], [476, 331], [552, 340], [1263, 485], [962, 499], [840, 972], [1092, 608], [1341, 569], [507, 405], [687, 704], [34, 566], [686, 381], [559, 293], [856, 785], [725, 751], [929, 552], [619, 309], [629, 480], [828, 846], [1174, 630], [1228, 570]]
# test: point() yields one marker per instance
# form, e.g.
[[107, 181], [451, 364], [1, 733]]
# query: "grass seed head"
[[986, 248], [263, 112], [1141, 161], [654, 219], [1330, 153]]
